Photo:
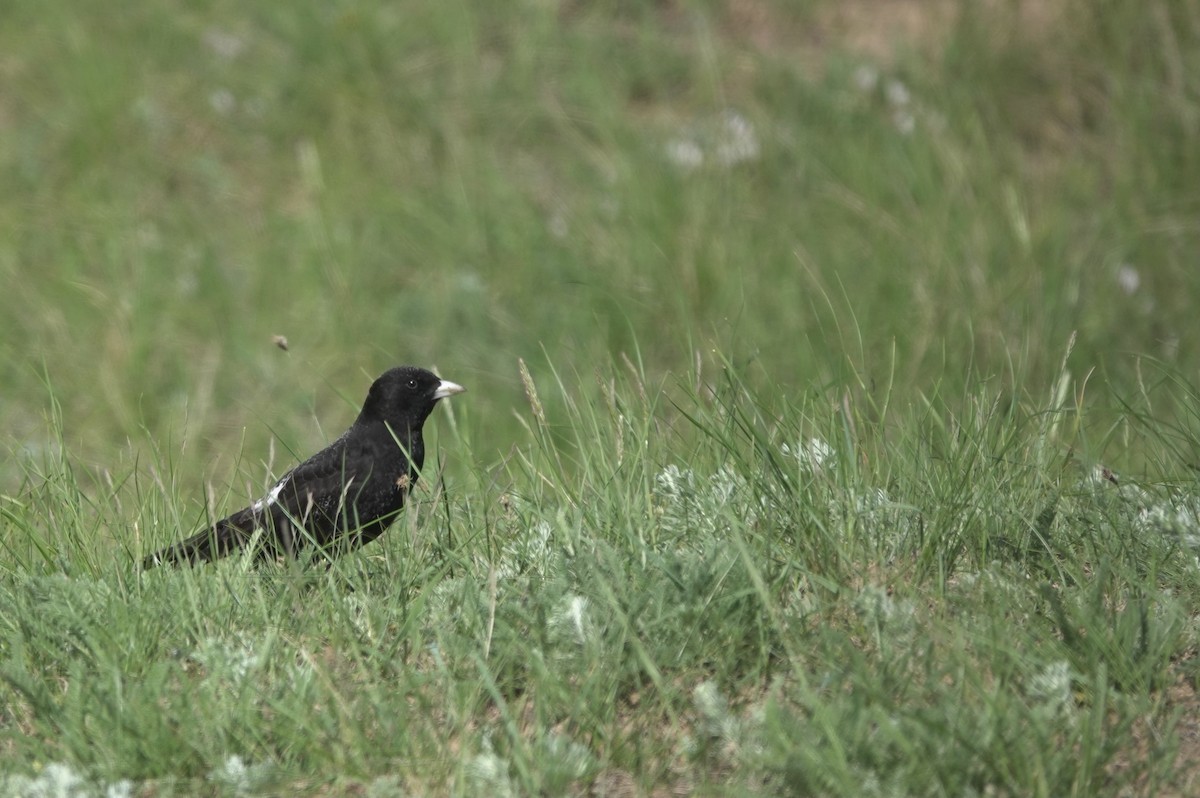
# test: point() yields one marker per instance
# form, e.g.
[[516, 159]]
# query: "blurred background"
[[902, 193]]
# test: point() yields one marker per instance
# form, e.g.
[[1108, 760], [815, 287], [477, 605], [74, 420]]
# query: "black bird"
[[344, 495]]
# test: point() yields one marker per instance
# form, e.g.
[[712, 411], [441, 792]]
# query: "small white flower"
[[533, 553], [572, 616], [488, 773], [727, 140], [736, 140], [388, 786], [897, 94], [222, 101], [55, 781], [713, 709], [60, 781], [1181, 522], [469, 282], [566, 756], [875, 605], [685, 153], [904, 121], [1051, 687], [234, 659], [866, 78], [1128, 279], [360, 615], [812, 454], [225, 45], [119, 789], [238, 776], [232, 771]]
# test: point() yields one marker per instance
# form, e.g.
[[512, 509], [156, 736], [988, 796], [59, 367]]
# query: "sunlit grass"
[[832, 418], [695, 590]]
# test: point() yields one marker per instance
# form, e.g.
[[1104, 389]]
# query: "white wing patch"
[[271, 497]]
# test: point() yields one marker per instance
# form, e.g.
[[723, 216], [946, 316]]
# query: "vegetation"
[[833, 411]]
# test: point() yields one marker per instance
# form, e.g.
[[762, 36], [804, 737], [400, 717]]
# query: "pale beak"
[[446, 388]]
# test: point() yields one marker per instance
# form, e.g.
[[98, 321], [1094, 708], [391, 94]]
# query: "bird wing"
[[357, 482], [348, 485]]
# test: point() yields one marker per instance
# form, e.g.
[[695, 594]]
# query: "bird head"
[[405, 396]]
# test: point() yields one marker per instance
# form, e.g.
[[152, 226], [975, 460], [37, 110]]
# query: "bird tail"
[[205, 546]]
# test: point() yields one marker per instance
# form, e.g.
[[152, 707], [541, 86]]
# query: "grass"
[[832, 422]]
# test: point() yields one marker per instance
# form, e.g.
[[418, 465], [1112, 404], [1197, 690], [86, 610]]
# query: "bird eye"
[[412, 384]]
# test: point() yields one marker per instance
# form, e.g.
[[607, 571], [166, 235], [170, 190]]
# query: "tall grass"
[[685, 584], [832, 415]]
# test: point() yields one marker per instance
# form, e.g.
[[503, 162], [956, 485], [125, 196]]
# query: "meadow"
[[833, 411]]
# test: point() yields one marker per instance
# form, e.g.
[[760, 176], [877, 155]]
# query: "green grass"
[[798, 379]]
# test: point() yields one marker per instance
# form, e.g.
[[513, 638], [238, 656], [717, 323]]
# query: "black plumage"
[[344, 495]]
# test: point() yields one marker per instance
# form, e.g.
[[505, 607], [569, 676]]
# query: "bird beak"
[[446, 388]]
